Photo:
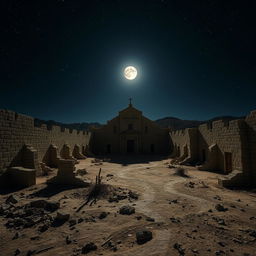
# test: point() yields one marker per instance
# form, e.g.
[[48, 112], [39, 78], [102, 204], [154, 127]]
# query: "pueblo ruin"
[[128, 187]]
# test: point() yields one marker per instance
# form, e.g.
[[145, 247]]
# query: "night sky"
[[63, 59]]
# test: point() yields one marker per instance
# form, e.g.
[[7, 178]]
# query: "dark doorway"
[[152, 148], [203, 156], [228, 162], [130, 146], [108, 149]]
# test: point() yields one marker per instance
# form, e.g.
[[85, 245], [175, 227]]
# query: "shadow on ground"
[[51, 190], [133, 159]]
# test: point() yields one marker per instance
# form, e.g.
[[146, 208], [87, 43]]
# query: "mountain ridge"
[[173, 123]]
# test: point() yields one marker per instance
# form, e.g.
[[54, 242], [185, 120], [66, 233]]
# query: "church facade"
[[129, 133]]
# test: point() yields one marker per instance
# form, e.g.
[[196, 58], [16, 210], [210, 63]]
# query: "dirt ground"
[[179, 211]]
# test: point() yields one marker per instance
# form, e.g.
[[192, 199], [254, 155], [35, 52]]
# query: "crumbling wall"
[[229, 147], [184, 143], [16, 130], [228, 138], [251, 144]]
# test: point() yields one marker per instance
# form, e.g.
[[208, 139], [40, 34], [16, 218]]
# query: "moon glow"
[[130, 72]]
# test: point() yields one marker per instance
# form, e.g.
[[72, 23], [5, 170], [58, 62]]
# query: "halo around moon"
[[130, 72]]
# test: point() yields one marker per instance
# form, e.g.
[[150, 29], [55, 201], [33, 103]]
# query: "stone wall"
[[16, 130], [251, 146], [228, 139], [229, 147], [184, 144]]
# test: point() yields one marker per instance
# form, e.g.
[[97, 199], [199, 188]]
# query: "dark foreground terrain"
[[164, 214]]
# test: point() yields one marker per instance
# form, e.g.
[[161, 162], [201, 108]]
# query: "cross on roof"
[[130, 99]]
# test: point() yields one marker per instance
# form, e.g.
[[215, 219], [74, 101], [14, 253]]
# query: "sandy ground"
[[185, 221]]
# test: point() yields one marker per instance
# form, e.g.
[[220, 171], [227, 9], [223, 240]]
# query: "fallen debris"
[[143, 236], [12, 199], [179, 248], [89, 247], [127, 210], [220, 208]]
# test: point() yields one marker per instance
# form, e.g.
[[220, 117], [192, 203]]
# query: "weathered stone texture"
[[17, 130], [223, 146]]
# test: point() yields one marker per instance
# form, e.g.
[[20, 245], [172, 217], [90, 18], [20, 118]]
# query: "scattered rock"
[[4, 208], [81, 172], [68, 240], [222, 244], [61, 218], [150, 219], [38, 204], [52, 206], [80, 220], [190, 184], [133, 195], [12, 199], [221, 222], [109, 175], [17, 252], [72, 222], [218, 253], [111, 246], [237, 241], [143, 236], [103, 215], [253, 233], [16, 236], [46, 205], [113, 199], [220, 208], [35, 238], [88, 248], [175, 201], [43, 228], [174, 220], [217, 197], [127, 210], [30, 252], [179, 248]]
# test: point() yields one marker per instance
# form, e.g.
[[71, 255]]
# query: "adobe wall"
[[251, 123], [17, 130], [209, 143], [228, 138], [183, 140]]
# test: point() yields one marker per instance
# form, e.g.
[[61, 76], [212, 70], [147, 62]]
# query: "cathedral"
[[129, 133]]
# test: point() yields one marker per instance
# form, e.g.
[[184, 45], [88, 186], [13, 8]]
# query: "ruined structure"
[[66, 174], [24, 144], [130, 132], [26, 148], [229, 147]]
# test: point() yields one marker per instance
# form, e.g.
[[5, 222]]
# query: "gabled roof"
[[129, 109]]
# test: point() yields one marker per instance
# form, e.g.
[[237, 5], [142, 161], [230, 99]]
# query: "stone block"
[[22, 177]]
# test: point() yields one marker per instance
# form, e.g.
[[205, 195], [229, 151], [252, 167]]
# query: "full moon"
[[130, 72]]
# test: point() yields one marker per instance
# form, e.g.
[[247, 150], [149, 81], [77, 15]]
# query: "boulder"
[[12, 199], [127, 210], [62, 217], [103, 215], [89, 247], [220, 208], [46, 205], [143, 236]]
